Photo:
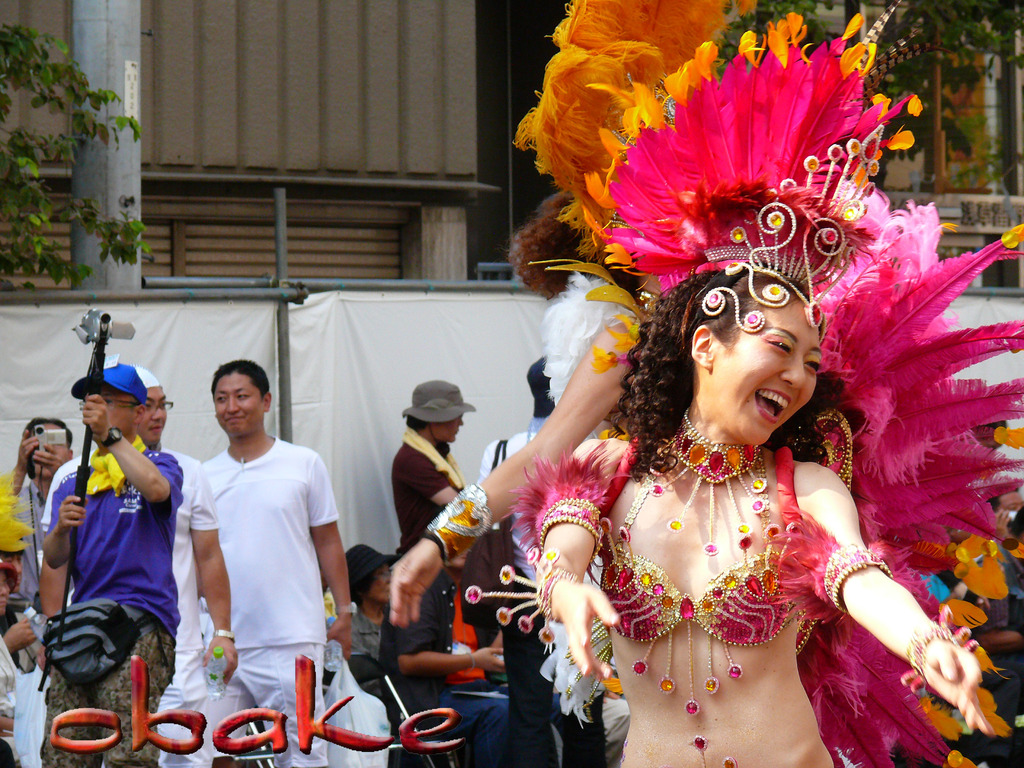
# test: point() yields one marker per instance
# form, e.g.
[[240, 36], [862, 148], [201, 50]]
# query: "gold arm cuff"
[[586, 514], [843, 563]]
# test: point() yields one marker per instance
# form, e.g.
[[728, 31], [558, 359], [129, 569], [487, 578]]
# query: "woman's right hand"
[[410, 578], [576, 606]]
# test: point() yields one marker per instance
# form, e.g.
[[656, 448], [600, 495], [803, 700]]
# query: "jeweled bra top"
[[741, 606]]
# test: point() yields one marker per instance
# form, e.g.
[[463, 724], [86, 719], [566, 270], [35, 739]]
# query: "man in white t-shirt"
[[278, 520], [196, 548]]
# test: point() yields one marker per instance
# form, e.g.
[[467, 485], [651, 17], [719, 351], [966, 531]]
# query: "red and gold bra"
[[742, 606]]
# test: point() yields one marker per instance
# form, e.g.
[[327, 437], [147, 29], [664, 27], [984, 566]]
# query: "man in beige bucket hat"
[[424, 474]]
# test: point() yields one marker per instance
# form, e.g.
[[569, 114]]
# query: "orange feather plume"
[[613, 43]]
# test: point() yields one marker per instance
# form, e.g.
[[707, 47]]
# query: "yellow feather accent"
[[966, 614], [903, 139], [618, 255], [12, 530], [872, 53], [970, 548], [604, 360], [612, 144], [797, 28], [749, 48], [956, 760], [779, 45], [623, 99], [988, 580], [598, 190], [940, 717], [850, 60], [1013, 438], [988, 709], [704, 59], [624, 340], [579, 266], [854, 26], [985, 662], [615, 295], [614, 685]]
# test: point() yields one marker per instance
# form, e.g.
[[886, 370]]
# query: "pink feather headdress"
[[769, 165]]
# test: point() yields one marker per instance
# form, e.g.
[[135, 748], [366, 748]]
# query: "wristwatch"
[[113, 435], [225, 633]]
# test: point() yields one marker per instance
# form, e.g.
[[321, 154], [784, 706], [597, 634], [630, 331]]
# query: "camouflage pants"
[[114, 693]]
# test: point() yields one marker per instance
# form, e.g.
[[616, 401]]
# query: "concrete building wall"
[[344, 102]]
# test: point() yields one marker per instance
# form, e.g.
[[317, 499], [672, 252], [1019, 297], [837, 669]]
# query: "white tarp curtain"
[[355, 360]]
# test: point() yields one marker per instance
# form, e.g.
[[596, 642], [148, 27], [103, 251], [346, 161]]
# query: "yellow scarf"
[[446, 467], [107, 472]]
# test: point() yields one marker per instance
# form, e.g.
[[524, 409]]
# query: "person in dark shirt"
[[424, 474], [440, 661]]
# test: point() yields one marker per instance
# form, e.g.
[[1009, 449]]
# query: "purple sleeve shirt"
[[125, 545]]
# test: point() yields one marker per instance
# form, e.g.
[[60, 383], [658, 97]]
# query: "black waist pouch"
[[97, 636]]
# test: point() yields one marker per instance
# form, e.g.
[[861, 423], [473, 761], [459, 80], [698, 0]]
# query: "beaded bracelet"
[[581, 512], [844, 562], [463, 520], [920, 640], [919, 644], [549, 574]]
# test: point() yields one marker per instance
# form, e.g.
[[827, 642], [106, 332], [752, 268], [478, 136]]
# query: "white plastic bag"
[[365, 714], [29, 717]]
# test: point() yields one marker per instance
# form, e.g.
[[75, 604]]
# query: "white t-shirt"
[[65, 469], [266, 508], [196, 513]]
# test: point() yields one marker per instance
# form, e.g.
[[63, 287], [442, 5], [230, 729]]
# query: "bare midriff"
[[763, 719]]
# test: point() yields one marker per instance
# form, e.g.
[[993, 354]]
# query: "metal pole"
[[106, 38], [284, 350]]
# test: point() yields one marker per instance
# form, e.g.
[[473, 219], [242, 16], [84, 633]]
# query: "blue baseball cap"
[[121, 377]]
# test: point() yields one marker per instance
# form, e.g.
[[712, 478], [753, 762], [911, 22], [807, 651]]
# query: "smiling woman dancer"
[[797, 350]]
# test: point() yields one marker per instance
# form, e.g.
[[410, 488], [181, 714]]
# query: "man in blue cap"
[[125, 535]]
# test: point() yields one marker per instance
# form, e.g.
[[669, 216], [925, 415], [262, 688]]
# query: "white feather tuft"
[[571, 323]]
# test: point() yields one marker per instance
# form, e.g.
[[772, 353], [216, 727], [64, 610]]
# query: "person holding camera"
[[125, 533], [45, 447]]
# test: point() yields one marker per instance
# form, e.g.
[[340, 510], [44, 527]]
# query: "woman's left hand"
[[954, 673]]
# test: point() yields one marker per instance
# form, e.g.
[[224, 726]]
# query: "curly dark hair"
[[658, 389], [543, 237]]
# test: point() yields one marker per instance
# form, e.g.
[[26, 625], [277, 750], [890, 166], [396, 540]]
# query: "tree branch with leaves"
[[40, 65]]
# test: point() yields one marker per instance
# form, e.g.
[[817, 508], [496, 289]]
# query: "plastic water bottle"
[[333, 657], [215, 685], [37, 621]]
